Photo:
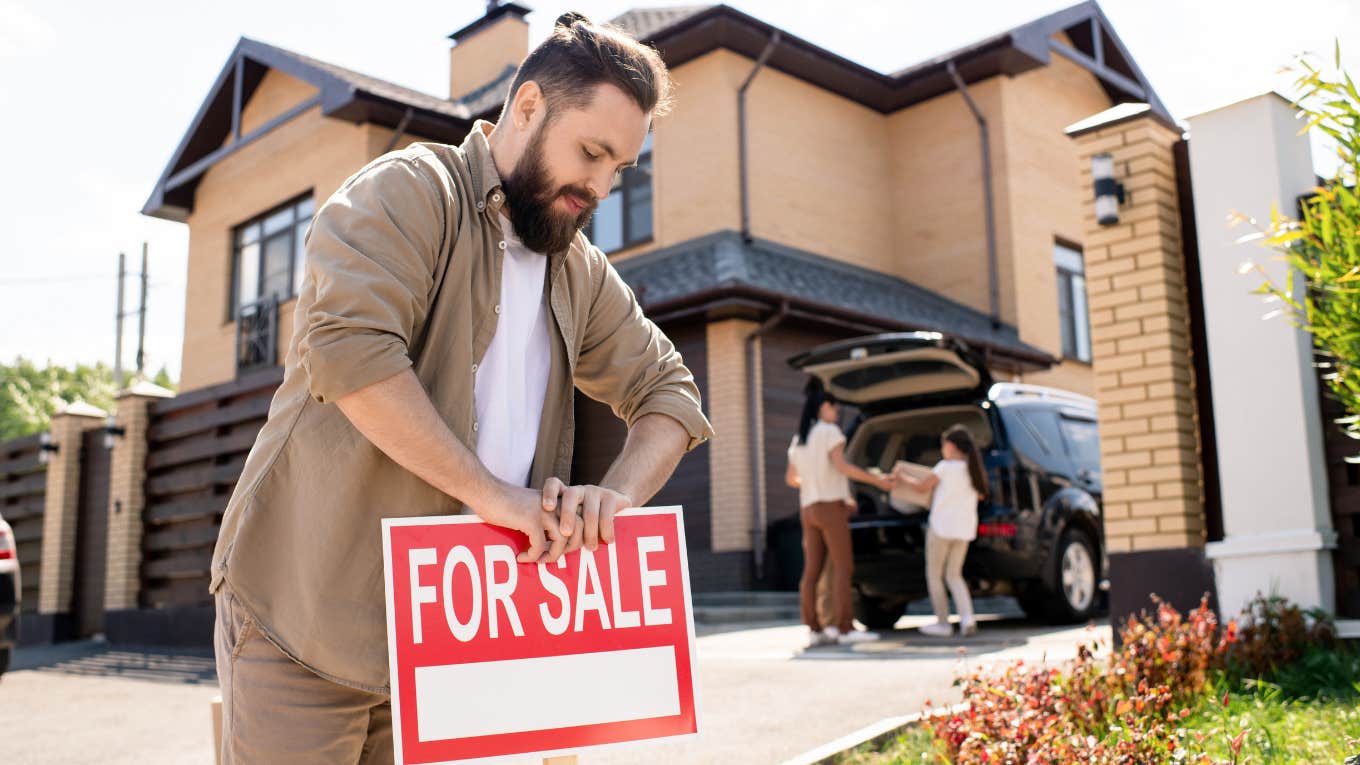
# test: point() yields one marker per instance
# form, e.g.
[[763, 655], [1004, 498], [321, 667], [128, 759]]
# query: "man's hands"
[[584, 514], [558, 520]]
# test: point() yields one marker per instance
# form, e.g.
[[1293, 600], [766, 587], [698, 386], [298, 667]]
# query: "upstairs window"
[[267, 255], [1072, 310], [624, 218]]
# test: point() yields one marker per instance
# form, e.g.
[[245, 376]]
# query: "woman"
[[956, 484], [817, 468]]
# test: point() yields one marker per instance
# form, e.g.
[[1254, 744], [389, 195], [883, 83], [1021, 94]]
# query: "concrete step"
[[745, 606]]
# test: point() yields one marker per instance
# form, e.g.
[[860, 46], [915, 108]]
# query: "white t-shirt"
[[511, 379], [953, 504], [818, 479]]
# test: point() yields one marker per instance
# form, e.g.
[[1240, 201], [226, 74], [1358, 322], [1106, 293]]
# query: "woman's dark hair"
[[579, 54], [962, 439], [814, 396]]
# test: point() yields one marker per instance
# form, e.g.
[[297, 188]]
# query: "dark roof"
[[709, 266], [342, 94], [644, 22], [682, 34]]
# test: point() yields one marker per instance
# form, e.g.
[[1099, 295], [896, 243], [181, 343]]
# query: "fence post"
[[60, 508], [127, 498]]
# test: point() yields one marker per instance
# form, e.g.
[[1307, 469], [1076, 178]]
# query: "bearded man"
[[451, 307]]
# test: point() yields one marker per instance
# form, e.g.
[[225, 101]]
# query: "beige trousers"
[[944, 567], [274, 710]]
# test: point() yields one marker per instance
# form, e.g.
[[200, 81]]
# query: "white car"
[[9, 594]]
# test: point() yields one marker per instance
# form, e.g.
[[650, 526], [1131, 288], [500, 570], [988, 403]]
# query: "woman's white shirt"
[[953, 504], [818, 479]]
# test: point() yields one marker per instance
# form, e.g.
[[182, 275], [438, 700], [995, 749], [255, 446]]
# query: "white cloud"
[[22, 32]]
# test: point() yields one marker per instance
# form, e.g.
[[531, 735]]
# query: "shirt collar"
[[486, 182]]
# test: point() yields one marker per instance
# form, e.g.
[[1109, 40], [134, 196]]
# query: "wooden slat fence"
[[196, 448]]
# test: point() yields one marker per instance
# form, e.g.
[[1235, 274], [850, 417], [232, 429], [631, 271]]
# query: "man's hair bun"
[[569, 18]]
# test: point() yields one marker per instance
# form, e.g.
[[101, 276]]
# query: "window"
[[1072, 312], [1083, 441], [624, 218], [267, 255]]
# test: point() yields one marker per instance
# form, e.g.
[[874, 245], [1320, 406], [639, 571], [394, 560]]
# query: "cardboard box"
[[905, 499]]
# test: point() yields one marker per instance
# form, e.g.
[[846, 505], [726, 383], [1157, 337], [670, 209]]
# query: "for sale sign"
[[490, 657]]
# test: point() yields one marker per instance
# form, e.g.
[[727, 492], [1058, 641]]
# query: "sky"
[[94, 97]]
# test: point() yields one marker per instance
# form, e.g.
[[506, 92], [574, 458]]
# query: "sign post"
[[490, 657]]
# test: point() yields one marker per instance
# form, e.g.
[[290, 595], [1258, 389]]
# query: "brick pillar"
[[127, 497], [1141, 357], [59, 519], [731, 498]]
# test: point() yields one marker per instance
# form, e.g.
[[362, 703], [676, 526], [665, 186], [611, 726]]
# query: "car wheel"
[[877, 613], [1076, 593]]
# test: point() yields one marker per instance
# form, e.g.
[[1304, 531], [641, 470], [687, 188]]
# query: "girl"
[[817, 468], [958, 482]]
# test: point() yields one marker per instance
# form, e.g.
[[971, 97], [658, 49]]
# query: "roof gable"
[[341, 94]]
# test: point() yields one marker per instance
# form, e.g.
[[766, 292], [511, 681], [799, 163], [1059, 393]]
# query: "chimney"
[[483, 49]]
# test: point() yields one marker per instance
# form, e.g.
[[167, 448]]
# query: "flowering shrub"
[[1276, 634], [1124, 709]]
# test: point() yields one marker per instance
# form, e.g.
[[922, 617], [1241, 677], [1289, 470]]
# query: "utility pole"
[[118, 342], [141, 319]]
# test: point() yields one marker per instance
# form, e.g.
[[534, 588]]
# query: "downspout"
[[758, 511], [399, 132], [741, 135], [993, 287]]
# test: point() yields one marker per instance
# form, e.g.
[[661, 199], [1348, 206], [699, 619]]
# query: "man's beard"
[[530, 199]]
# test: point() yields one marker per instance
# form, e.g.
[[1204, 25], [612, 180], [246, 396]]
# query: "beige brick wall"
[[310, 152], [481, 56], [60, 512], [127, 500], [1140, 334], [731, 498]]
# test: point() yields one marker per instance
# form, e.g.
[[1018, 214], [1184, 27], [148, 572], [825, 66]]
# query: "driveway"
[[762, 699]]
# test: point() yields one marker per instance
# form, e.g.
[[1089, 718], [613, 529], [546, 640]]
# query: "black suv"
[[1040, 533]]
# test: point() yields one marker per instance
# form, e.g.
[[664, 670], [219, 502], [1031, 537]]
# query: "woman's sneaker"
[[857, 636], [819, 638], [937, 629], [968, 629]]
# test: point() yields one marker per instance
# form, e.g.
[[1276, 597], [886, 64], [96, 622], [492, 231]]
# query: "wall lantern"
[[112, 430], [46, 448], [1109, 192]]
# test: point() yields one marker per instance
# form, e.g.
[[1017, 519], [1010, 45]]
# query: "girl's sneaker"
[[937, 629], [968, 629]]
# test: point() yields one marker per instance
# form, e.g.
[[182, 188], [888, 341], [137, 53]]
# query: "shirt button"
[[501, 245], [481, 205], [474, 427], [474, 369], [498, 308], [496, 197]]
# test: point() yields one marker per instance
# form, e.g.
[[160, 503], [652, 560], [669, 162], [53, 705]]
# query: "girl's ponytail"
[[962, 439]]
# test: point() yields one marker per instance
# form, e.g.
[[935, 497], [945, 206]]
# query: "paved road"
[[762, 699]]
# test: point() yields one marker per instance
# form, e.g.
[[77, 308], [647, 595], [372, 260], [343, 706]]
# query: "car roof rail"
[[1003, 391]]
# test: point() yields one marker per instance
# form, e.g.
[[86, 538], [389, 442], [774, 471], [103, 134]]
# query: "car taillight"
[[996, 529], [6, 545]]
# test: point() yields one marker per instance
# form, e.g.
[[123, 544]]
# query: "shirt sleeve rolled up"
[[371, 256], [627, 362]]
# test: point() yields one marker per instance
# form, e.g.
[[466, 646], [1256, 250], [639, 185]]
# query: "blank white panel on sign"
[[547, 692]]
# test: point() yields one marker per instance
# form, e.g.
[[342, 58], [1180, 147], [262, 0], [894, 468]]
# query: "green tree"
[[1322, 246], [162, 379], [30, 394]]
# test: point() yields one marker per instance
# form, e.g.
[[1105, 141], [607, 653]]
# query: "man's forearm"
[[654, 447], [397, 417]]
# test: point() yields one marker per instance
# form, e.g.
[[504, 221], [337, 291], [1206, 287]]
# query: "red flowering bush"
[[1123, 709]]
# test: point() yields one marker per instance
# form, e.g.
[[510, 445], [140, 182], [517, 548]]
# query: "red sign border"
[[676, 511]]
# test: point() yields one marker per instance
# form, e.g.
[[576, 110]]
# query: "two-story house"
[[792, 197]]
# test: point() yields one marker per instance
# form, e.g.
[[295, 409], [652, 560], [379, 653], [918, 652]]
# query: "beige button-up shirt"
[[404, 270]]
